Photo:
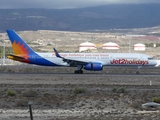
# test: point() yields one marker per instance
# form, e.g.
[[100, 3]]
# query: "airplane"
[[87, 61]]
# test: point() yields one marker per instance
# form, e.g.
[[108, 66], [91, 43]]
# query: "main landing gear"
[[138, 70], [79, 70]]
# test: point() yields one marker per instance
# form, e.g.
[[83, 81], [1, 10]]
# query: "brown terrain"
[[58, 94], [66, 41]]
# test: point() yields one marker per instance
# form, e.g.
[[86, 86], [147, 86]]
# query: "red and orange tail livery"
[[20, 48], [23, 53], [18, 45]]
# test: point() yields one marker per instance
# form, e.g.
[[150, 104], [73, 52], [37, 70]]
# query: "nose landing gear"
[[138, 70]]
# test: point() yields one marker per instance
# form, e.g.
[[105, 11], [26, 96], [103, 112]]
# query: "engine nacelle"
[[93, 66]]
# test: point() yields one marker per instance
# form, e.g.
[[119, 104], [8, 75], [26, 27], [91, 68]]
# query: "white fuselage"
[[106, 59]]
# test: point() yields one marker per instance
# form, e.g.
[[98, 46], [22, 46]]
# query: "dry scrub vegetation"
[[96, 97]]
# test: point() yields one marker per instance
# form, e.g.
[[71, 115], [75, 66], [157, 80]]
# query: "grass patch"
[[119, 90], [79, 90], [114, 90], [30, 93], [11, 93], [22, 103], [156, 99], [46, 94]]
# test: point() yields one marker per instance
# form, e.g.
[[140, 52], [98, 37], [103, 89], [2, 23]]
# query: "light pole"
[[30, 110], [4, 52], [130, 38]]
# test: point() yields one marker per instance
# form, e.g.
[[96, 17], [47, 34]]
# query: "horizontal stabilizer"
[[14, 57]]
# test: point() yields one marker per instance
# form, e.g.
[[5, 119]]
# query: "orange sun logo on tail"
[[20, 49]]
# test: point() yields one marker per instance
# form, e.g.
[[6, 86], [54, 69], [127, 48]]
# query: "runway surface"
[[87, 78]]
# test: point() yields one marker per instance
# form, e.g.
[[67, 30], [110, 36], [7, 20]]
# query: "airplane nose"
[[157, 63]]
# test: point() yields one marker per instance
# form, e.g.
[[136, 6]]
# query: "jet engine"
[[93, 66]]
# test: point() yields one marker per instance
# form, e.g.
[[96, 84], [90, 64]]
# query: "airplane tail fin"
[[19, 46]]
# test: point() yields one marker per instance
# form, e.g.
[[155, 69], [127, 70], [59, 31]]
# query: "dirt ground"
[[58, 94]]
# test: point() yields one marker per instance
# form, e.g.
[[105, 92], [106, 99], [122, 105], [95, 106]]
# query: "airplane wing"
[[71, 62]]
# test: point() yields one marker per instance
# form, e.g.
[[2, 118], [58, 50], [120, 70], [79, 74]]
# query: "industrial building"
[[110, 45], [86, 46], [139, 47]]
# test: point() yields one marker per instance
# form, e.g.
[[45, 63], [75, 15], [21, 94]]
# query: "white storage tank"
[[139, 47], [110, 45], [86, 46]]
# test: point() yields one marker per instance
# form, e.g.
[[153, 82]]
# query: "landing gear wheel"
[[78, 71], [137, 72], [81, 71]]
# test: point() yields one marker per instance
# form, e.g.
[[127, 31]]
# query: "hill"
[[119, 16]]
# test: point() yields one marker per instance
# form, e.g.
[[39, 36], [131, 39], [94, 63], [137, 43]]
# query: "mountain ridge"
[[105, 17]]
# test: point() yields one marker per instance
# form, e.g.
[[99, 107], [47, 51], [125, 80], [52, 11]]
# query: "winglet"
[[56, 53]]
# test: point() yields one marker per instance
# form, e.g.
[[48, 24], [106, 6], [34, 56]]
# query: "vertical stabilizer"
[[18, 45]]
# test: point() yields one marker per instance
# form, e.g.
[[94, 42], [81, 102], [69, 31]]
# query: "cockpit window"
[[150, 58]]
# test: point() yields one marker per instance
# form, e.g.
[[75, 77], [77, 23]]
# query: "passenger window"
[[150, 58]]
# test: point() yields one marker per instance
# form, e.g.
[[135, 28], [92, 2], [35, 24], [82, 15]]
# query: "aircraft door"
[[111, 59]]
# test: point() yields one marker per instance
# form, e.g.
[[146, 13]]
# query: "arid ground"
[[58, 94]]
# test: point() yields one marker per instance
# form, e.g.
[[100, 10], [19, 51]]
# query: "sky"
[[61, 4]]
